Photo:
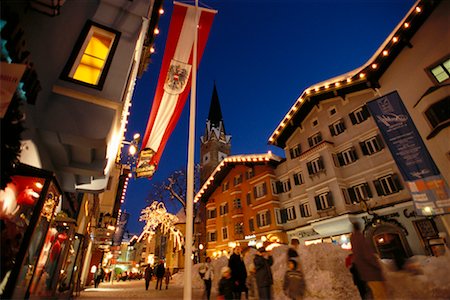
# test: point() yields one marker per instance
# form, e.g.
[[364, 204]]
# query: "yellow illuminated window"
[[92, 58]]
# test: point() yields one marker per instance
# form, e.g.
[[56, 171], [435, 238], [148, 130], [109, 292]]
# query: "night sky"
[[262, 54]]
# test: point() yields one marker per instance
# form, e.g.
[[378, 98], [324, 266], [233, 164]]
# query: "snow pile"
[[326, 276]]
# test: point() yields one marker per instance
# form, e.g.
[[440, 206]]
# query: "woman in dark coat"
[[263, 261], [238, 273], [226, 285]]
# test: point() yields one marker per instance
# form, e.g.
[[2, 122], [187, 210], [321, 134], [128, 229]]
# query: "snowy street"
[[135, 289]]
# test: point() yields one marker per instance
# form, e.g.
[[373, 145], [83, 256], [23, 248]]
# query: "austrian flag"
[[174, 81]]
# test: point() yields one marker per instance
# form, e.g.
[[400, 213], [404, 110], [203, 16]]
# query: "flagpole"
[[187, 292]]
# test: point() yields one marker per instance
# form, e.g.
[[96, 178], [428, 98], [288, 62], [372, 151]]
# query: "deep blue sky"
[[262, 55]]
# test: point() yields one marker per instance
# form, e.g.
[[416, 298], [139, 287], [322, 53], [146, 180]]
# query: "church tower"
[[215, 143]]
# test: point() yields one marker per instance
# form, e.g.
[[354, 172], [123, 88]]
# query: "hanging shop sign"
[[10, 75], [429, 190]]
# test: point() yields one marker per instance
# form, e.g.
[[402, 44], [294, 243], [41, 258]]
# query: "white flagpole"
[[187, 292]]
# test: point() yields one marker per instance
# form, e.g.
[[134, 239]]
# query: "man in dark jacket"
[[367, 264], [238, 273], [148, 275], [264, 280], [160, 270]]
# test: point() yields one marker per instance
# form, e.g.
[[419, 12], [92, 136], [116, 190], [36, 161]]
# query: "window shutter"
[[294, 213], [317, 199], [279, 187], [343, 124], [258, 220], [355, 154], [310, 142], [330, 199], [296, 181], [249, 199], [397, 182], [352, 118], [333, 133], [319, 137], [364, 149], [365, 112], [335, 160], [352, 194], [310, 171], [299, 148], [264, 189], [269, 221], [291, 153], [321, 166], [289, 185], [254, 192], [368, 191], [378, 187], [340, 159], [283, 213], [379, 141]]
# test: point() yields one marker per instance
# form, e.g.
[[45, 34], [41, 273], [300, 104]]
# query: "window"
[[360, 115], [346, 196], [304, 210], [324, 201], [315, 166], [237, 179], [441, 72], [359, 192], [290, 213], [263, 219], [221, 156], [345, 157], [212, 236], [439, 113], [206, 157], [260, 190], [225, 186], [298, 178], [388, 185], [251, 225], [238, 228], [281, 186], [332, 111], [278, 217], [212, 213], [224, 233], [223, 209], [315, 123], [91, 59], [337, 127], [372, 145], [315, 139], [249, 198], [237, 203], [250, 173], [295, 151]]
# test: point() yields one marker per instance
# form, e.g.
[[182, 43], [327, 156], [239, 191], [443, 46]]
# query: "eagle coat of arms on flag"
[[177, 77]]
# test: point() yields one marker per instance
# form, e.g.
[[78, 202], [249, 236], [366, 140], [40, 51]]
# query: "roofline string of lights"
[[348, 79], [235, 159], [156, 31]]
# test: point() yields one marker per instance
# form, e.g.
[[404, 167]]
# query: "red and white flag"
[[174, 81]]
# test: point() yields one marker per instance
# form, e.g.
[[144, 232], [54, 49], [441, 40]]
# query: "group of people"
[[257, 284], [161, 273]]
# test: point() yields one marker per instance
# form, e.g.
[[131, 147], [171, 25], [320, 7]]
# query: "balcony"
[[328, 212]]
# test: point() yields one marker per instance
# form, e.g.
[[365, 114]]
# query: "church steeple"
[[215, 143]]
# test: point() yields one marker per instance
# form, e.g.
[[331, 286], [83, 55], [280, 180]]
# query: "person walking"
[[98, 276], [226, 285], [263, 261], [207, 274], [252, 286], [160, 271], [360, 284], [367, 264], [168, 277], [238, 273], [148, 276], [294, 282], [293, 248]]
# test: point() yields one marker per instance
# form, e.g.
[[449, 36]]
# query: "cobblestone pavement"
[[135, 289]]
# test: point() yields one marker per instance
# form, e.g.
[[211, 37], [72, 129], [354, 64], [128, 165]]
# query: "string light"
[[374, 66], [385, 53], [152, 50], [161, 11], [406, 25], [362, 75], [418, 9], [395, 39], [156, 31]]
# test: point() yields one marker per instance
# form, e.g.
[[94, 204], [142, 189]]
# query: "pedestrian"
[[207, 274], [98, 275], [294, 281], [238, 273], [160, 271], [226, 285], [360, 284], [252, 286], [263, 261], [168, 277], [148, 276], [367, 264], [292, 252]]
